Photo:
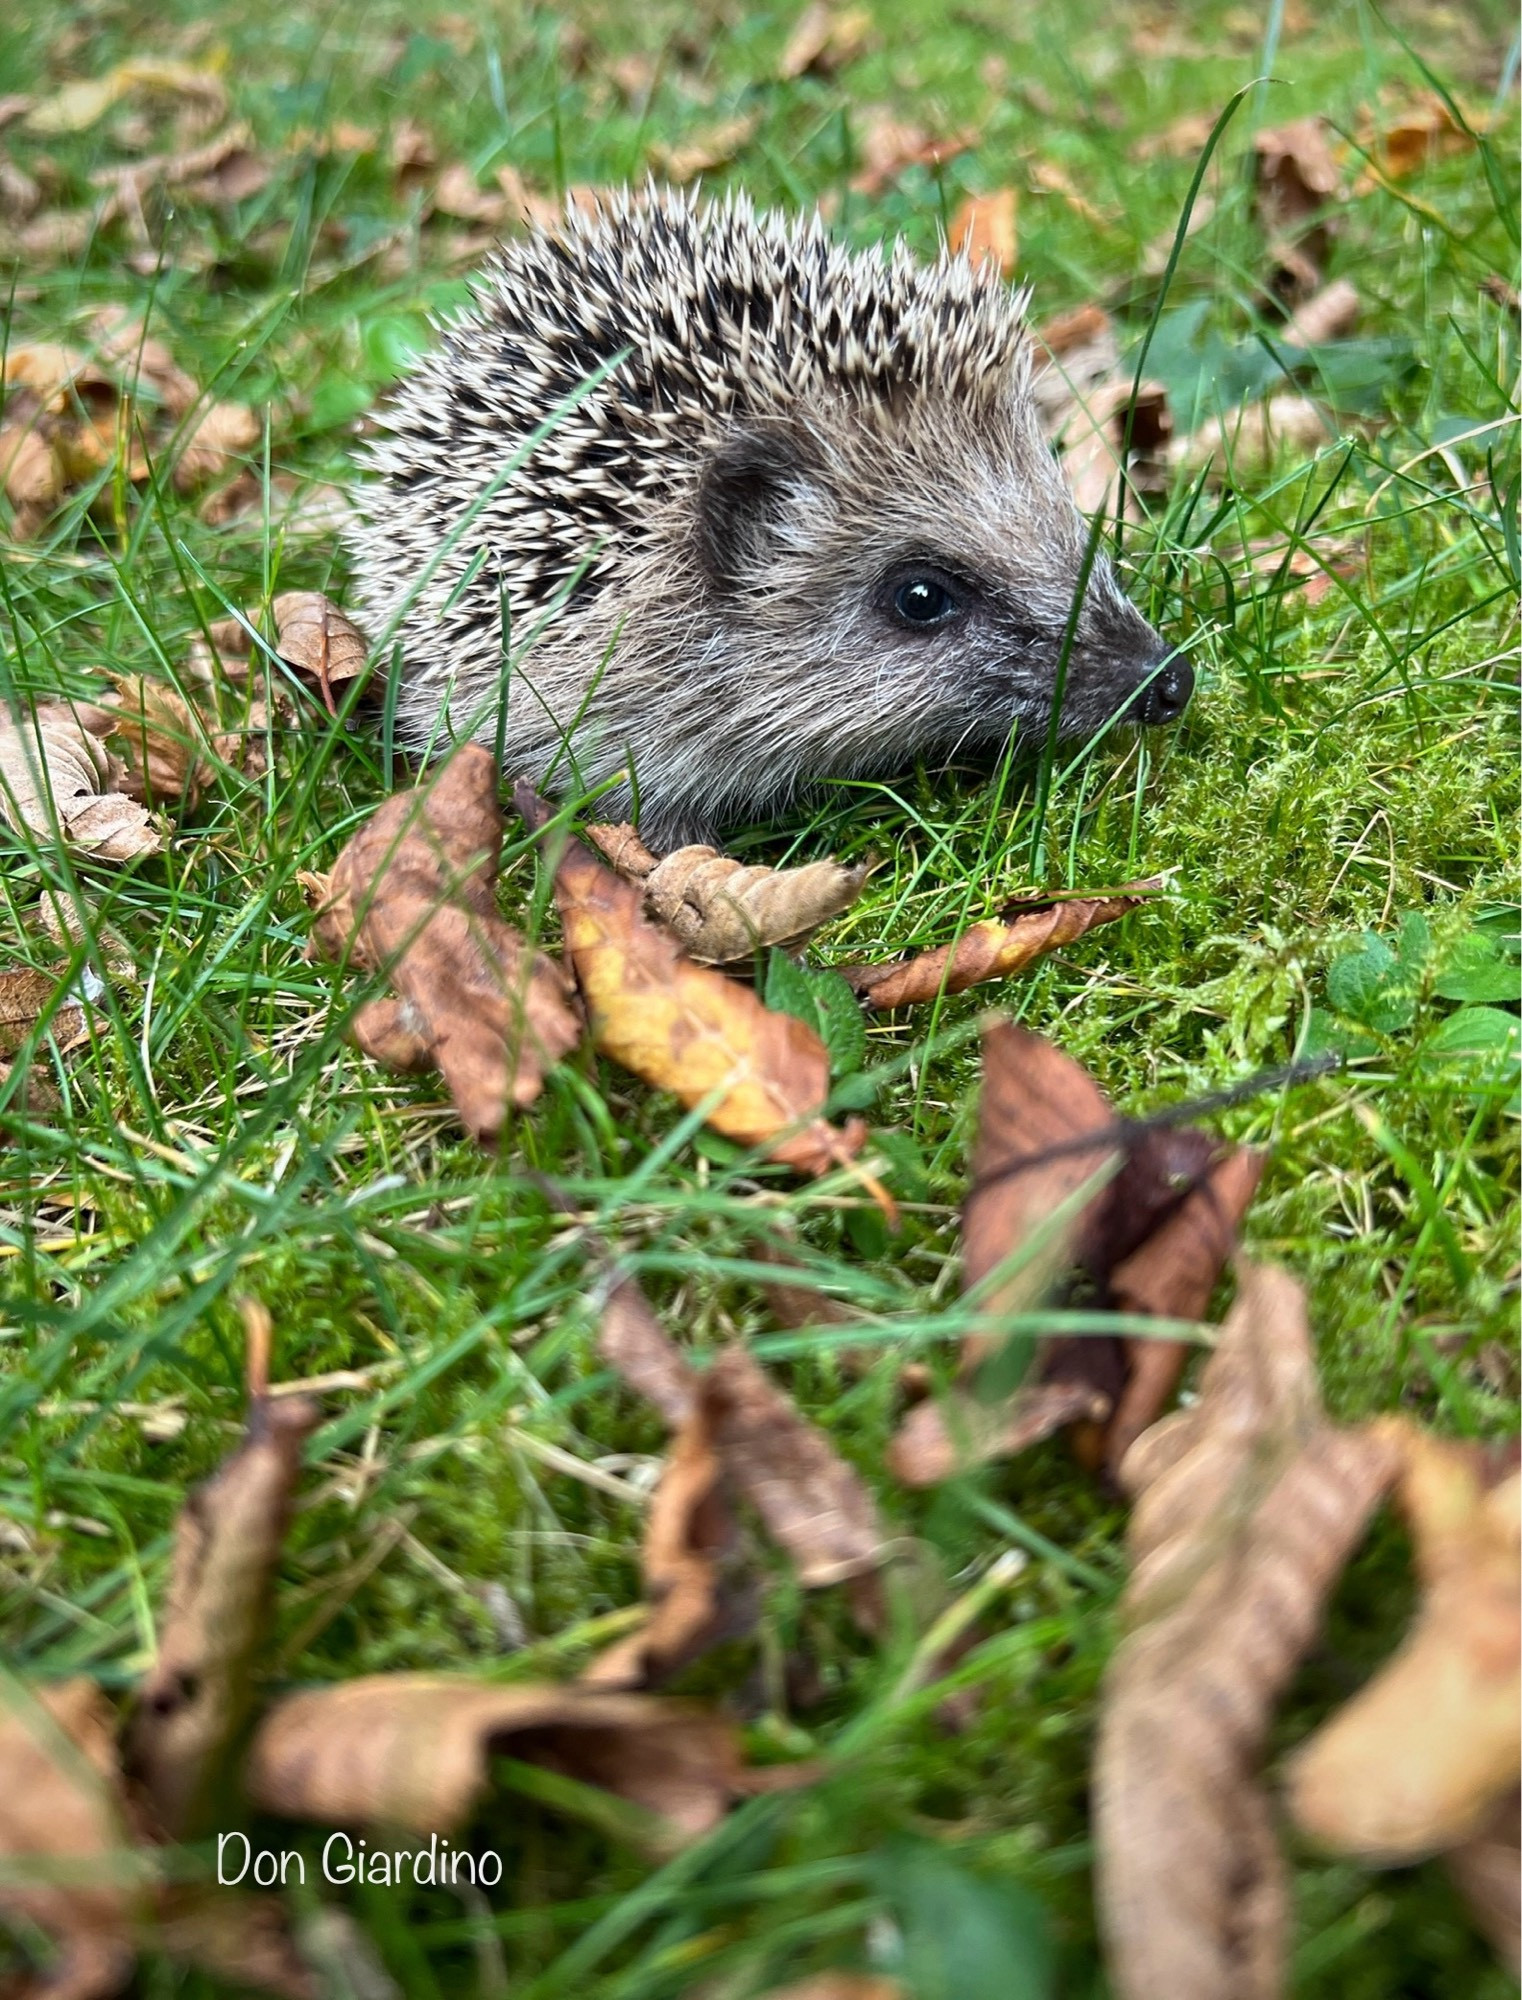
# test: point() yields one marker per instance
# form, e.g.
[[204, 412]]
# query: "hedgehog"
[[697, 506]]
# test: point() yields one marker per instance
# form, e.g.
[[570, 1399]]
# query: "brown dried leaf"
[[1296, 172], [689, 1535], [222, 432], [1093, 440], [706, 151], [244, 1941], [687, 1029], [1425, 132], [411, 1750], [887, 146], [1245, 443], [83, 103], [939, 1439], [1181, 140], [824, 40], [1047, 177], [985, 229], [313, 636], [58, 779], [167, 741], [810, 1501], [197, 1696], [59, 1814], [1418, 1760], [456, 193], [412, 154], [31, 470], [25, 996], [1248, 1506], [135, 357], [722, 910], [226, 168], [633, 1341], [837, 1986], [413, 894], [1328, 314], [994, 949]]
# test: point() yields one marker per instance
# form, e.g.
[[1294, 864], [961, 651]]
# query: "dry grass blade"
[[995, 949], [1419, 1760], [413, 893], [196, 1698], [1248, 1506], [58, 780], [59, 1814], [721, 910], [688, 1029], [412, 1751]]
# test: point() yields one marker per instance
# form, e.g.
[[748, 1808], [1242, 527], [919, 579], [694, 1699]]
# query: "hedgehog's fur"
[[696, 569]]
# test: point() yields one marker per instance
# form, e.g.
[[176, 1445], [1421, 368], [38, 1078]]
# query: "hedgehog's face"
[[920, 570]]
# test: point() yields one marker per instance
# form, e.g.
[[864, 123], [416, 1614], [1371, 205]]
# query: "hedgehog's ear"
[[744, 487]]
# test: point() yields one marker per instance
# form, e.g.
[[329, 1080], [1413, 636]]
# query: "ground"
[[1347, 768]]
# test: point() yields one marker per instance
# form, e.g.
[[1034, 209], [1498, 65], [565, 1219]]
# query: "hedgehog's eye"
[[923, 600]]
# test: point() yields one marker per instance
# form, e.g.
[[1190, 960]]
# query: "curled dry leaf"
[[689, 1541], [412, 1751], [721, 910], [313, 636], [26, 994], [79, 105], [810, 1501], [1247, 1507], [1155, 1236], [1425, 132], [1296, 172], [226, 168], [196, 1698], [59, 1812], [995, 949], [824, 40], [221, 433], [686, 1028], [165, 738], [985, 229], [1327, 315], [1245, 443], [58, 780], [413, 894], [706, 151], [887, 146], [1419, 1760]]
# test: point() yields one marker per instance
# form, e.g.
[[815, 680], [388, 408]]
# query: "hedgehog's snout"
[[1164, 694]]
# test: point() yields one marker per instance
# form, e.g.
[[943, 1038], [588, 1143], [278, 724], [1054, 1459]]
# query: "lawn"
[[1335, 817]]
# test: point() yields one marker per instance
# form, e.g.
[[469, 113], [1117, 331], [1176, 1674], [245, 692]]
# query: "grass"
[[1347, 764]]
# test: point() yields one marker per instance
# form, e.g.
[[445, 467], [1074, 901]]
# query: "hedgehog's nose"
[[1166, 695]]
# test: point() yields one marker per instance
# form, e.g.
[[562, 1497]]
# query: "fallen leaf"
[[413, 894], [81, 104], [412, 154], [837, 1986], [167, 741], [687, 1029], [887, 146], [994, 949], [58, 780], [1154, 1236], [239, 1939], [20, 196], [1503, 292], [810, 1501], [226, 168], [222, 432], [824, 40], [1118, 423], [1181, 140], [984, 229], [34, 477], [689, 1541], [633, 1341], [60, 1815], [1296, 172], [1417, 1762], [706, 151], [456, 193], [55, 373], [411, 1750], [1157, 254], [812, 1504], [197, 1696], [1329, 314], [1427, 131], [313, 636], [26, 994], [1047, 177], [1245, 443], [721, 910], [134, 357], [1247, 1506]]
